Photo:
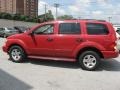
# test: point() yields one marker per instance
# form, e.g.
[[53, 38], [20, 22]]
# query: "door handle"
[[49, 39], [79, 40]]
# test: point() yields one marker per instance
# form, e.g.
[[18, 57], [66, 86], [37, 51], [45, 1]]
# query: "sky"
[[84, 9]]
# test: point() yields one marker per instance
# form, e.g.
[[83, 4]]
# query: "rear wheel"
[[89, 60], [17, 54]]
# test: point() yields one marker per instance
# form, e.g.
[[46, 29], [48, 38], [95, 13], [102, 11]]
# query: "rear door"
[[69, 36]]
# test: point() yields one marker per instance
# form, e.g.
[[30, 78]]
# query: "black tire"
[[89, 60], [20, 55]]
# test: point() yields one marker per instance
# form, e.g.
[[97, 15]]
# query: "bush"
[[28, 19], [16, 17], [7, 16], [23, 17], [35, 20], [0, 16]]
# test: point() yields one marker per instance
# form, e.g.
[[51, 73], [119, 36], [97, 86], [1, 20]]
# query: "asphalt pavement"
[[55, 75]]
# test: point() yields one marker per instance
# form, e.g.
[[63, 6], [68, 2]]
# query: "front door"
[[44, 40]]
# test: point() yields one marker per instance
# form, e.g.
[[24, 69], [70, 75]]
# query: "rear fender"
[[88, 44]]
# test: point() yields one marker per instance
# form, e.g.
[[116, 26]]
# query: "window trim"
[[70, 33]]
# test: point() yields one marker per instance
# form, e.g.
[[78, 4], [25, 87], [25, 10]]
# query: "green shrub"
[[7, 16], [16, 17]]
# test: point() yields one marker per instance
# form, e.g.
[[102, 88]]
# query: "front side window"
[[97, 29], [46, 29], [69, 28]]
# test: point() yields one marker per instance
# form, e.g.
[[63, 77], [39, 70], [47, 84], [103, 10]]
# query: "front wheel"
[[17, 54], [89, 60]]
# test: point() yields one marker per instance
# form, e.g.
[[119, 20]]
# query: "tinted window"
[[2, 29], [46, 29], [97, 29], [69, 28], [10, 28]]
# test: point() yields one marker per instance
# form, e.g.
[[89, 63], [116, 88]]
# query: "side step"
[[52, 58]]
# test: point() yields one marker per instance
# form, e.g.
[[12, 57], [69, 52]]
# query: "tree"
[[46, 17], [49, 16], [65, 17]]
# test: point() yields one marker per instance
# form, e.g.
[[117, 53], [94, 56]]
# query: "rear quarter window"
[[97, 29]]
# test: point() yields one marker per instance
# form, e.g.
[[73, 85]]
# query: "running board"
[[52, 58]]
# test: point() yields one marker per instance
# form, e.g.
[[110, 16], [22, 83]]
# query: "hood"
[[16, 36]]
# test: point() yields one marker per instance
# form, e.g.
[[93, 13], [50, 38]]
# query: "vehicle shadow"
[[51, 63], [109, 65], [8, 82], [106, 65]]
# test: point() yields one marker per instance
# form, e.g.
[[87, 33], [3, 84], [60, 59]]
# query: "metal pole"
[[56, 5], [109, 19], [45, 11], [79, 18]]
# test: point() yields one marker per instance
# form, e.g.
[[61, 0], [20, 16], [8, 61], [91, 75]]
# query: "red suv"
[[85, 41]]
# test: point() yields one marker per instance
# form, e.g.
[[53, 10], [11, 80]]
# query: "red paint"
[[63, 45]]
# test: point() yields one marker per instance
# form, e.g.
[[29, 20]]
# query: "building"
[[31, 7], [23, 7]]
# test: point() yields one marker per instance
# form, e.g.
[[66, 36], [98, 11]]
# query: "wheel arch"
[[89, 49], [15, 44]]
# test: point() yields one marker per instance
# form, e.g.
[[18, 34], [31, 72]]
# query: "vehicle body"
[[85, 41], [5, 32]]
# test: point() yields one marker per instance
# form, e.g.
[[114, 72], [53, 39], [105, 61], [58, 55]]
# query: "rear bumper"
[[110, 54]]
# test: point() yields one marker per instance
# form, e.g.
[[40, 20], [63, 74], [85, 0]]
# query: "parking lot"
[[53, 75]]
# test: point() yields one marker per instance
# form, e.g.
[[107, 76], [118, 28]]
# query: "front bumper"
[[5, 49]]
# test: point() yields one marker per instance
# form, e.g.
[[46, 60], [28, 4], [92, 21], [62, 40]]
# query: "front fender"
[[19, 42]]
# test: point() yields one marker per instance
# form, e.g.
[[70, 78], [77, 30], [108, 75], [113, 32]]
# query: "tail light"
[[116, 44]]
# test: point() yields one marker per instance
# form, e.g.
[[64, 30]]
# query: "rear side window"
[[97, 29], [69, 28]]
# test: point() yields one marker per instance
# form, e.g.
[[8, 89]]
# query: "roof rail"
[[94, 19]]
